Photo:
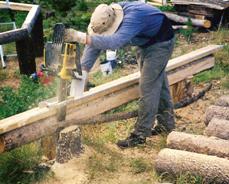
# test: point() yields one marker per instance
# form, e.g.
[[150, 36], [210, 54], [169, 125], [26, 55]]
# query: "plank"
[[197, 67], [16, 6], [192, 56], [94, 94], [219, 5]]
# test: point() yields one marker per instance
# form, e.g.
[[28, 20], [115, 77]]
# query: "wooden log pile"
[[201, 155], [215, 11]]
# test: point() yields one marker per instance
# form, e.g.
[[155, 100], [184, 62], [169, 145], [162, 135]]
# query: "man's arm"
[[90, 54], [131, 26]]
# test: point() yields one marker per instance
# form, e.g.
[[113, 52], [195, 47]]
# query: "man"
[[142, 25]]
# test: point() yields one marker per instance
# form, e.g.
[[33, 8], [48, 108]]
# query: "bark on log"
[[26, 56], [199, 144], [223, 101], [49, 125], [218, 128], [216, 111], [69, 144], [37, 36], [13, 35], [182, 19], [211, 168]]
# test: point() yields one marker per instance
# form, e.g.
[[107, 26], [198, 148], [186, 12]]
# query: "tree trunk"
[[69, 144], [216, 111], [223, 101], [218, 128], [198, 143], [176, 162]]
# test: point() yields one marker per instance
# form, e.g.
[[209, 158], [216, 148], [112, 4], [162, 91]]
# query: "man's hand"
[[72, 35], [83, 77]]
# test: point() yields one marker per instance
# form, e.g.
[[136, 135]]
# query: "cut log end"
[[207, 24], [69, 144]]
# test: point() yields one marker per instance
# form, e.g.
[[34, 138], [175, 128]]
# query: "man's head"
[[105, 20]]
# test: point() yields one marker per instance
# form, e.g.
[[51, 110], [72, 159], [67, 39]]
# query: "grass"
[[217, 73], [140, 165], [183, 178], [20, 165]]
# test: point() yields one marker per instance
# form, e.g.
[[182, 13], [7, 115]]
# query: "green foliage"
[[187, 33], [189, 179], [217, 73], [26, 96], [167, 8], [19, 165]]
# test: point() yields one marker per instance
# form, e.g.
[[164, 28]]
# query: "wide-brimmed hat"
[[105, 20]]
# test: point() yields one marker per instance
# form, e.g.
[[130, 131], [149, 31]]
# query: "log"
[[49, 125], [26, 56], [216, 111], [31, 18], [199, 144], [182, 19], [176, 162], [37, 36], [69, 144], [13, 35], [218, 128], [223, 101]]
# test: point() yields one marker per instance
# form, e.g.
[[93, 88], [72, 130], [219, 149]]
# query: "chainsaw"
[[63, 60]]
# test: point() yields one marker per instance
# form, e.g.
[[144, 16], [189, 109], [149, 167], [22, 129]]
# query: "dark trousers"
[[155, 99]]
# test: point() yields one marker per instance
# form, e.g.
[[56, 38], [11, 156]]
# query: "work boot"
[[131, 141]]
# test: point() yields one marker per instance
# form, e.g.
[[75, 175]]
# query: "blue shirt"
[[140, 21]]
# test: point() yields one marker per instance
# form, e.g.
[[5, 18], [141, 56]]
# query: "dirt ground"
[[102, 162], [78, 171]]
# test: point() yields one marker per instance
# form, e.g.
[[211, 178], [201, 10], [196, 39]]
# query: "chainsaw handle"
[[77, 61]]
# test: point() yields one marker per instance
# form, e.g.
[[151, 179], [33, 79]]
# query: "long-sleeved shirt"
[[140, 22]]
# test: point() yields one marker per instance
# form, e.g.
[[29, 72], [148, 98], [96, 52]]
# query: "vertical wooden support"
[[37, 36], [26, 56]]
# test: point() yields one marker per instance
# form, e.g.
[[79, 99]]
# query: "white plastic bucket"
[[106, 68]]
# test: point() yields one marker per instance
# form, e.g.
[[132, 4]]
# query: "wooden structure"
[[28, 38], [213, 10], [42, 121]]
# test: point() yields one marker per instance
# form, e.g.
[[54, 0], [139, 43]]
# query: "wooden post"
[[26, 56], [37, 36]]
